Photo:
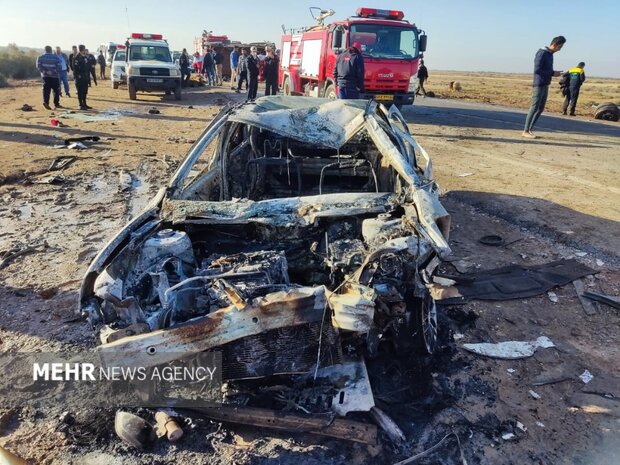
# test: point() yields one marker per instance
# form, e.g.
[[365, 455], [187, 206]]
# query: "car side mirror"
[[337, 37], [423, 40]]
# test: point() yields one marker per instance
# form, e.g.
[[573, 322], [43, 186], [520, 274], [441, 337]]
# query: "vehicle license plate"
[[383, 97], [159, 81]]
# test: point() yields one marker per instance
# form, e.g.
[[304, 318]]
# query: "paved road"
[[564, 185]]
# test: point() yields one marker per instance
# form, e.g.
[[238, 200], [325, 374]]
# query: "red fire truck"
[[391, 48]]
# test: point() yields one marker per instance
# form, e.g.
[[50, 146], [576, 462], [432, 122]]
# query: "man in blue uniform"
[[349, 73], [576, 77]]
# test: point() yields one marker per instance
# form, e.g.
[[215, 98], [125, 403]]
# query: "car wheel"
[[330, 92], [115, 85], [425, 313], [132, 91], [286, 87], [177, 92], [607, 111]]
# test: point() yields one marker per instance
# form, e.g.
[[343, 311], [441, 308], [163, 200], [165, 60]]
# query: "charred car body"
[[297, 236]]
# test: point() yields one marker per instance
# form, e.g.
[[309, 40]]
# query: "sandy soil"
[[514, 188]]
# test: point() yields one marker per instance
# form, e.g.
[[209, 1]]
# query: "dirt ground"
[[552, 198]]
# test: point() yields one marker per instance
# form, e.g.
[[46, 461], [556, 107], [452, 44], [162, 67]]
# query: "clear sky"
[[466, 35]]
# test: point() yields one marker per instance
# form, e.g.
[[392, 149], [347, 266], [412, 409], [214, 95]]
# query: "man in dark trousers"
[[218, 59], [576, 77], [91, 61], [349, 73], [270, 72], [81, 75], [184, 64], [242, 70], [49, 66], [252, 67], [543, 72], [74, 53], [208, 67], [101, 62], [422, 77]]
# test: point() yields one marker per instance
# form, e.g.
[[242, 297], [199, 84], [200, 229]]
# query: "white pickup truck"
[[150, 67]]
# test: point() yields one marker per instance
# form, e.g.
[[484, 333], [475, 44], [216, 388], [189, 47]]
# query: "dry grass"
[[515, 90]]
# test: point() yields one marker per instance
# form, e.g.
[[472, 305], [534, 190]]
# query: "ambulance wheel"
[[330, 92], [177, 92], [286, 87], [115, 85], [132, 91]]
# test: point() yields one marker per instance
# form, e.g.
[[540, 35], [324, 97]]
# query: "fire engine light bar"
[[375, 13], [142, 35]]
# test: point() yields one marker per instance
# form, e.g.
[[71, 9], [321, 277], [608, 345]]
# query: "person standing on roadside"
[[208, 67], [184, 64], [543, 72], [252, 67], [234, 62], [64, 70], [74, 53], [91, 61], [81, 75], [218, 59], [242, 70], [270, 72], [101, 62], [422, 77], [49, 66], [576, 77], [349, 73]]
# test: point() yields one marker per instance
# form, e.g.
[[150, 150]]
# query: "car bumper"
[[153, 83], [122, 78], [401, 98]]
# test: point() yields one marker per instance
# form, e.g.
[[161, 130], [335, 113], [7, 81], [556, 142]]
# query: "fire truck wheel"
[[286, 87], [330, 92]]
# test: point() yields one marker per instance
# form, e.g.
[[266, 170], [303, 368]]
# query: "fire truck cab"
[[391, 48]]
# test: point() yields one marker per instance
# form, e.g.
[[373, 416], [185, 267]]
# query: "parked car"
[[119, 72], [294, 224]]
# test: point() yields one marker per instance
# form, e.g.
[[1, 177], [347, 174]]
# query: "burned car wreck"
[[297, 237]]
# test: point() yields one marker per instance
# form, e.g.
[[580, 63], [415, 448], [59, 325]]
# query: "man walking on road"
[[543, 72], [64, 69], [49, 66], [101, 62], [576, 77], [349, 73], [81, 74], [422, 77]]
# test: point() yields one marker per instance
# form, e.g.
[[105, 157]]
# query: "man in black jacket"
[[81, 74], [92, 65], [252, 66], [422, 77], [543, 72], [270, 72], [349, 73], [184, 64], [74, 54]]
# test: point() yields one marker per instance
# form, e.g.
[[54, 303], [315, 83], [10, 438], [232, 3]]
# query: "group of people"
[[55, 66], [245, 68], [543, 73]]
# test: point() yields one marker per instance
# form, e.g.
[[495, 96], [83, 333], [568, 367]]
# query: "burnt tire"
[[330, 92], [417, 331], [132, 91], [607, 111]]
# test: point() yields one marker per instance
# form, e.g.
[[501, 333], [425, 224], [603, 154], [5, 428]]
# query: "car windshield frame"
[[366, 34], [150, 53]]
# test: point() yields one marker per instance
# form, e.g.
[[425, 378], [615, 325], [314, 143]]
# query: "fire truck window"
[[385, 41]]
